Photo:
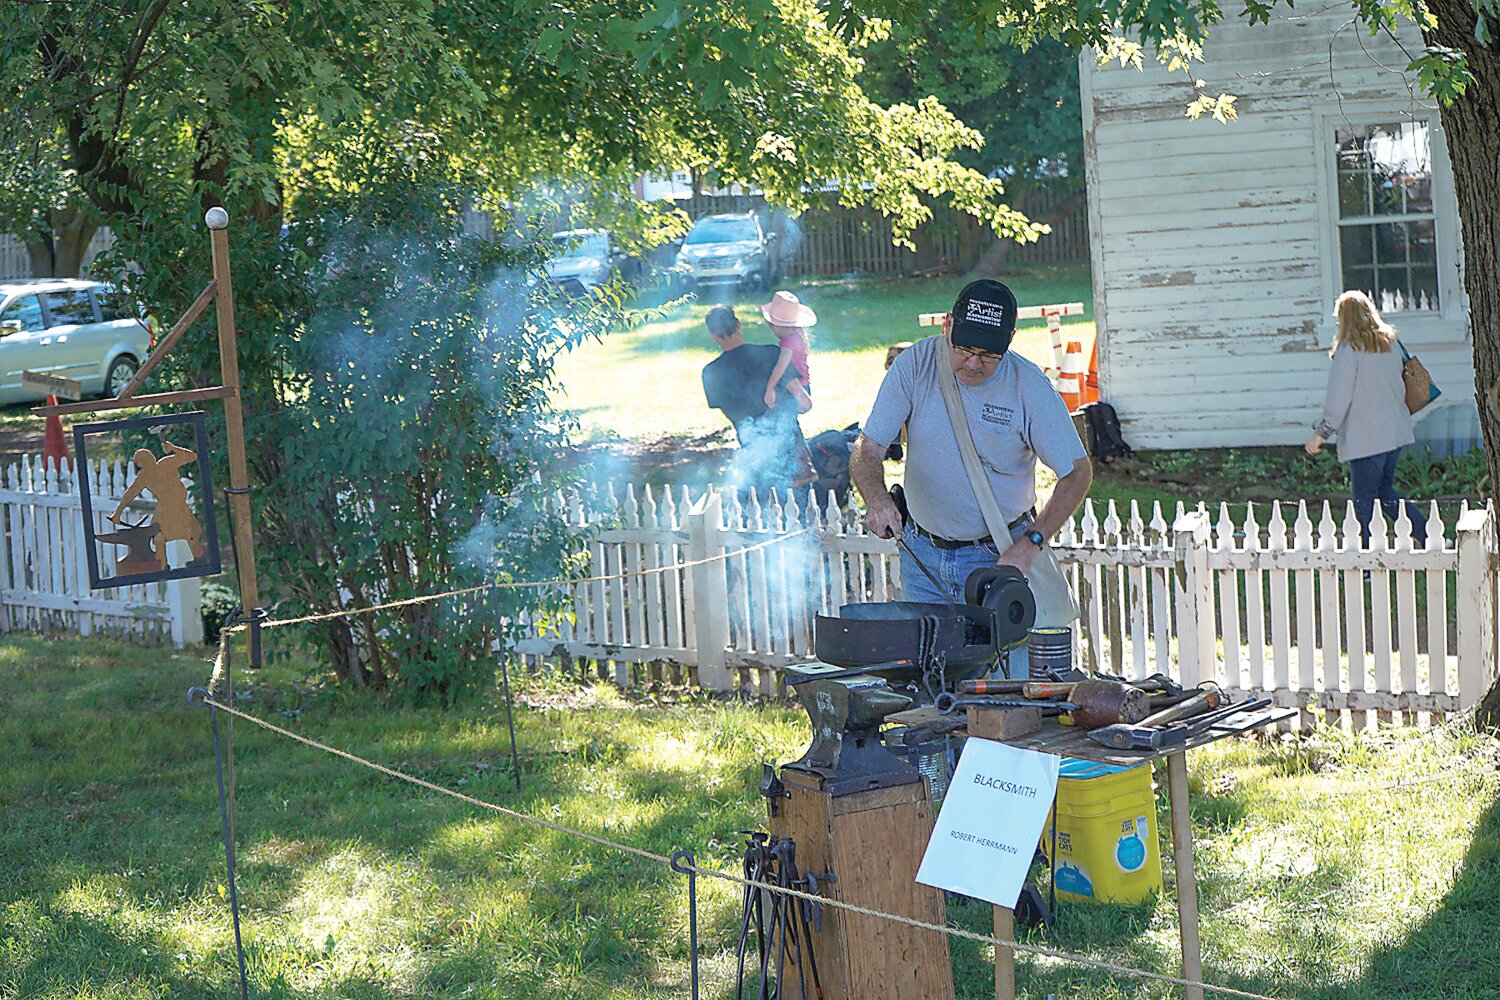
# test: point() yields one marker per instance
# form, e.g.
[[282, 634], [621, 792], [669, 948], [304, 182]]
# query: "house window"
[[1387, 227]]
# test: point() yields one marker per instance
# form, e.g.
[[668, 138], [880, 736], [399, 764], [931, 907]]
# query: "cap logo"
[[987, 313]]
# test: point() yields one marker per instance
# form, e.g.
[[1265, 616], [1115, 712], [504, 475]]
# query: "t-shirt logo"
[[988, 313], [998, 415]]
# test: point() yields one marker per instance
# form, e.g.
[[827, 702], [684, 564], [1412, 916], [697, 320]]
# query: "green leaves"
[[1443, 72]]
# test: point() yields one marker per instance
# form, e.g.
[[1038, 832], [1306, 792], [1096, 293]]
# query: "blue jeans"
[[1373, 478], [952, 568]]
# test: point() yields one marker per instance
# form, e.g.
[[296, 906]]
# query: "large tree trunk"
[[1473, 127], [60, 253], [1472, 124]]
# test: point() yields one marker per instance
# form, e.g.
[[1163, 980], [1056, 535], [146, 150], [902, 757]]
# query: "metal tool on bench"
[[948, 703], [1145, 736], [1108, 702]]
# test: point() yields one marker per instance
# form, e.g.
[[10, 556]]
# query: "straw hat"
[[785, 310]]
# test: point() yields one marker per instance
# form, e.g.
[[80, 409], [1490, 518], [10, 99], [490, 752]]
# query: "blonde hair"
[[1360, 325]]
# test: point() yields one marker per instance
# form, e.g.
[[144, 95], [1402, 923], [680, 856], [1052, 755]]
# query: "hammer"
[[1143, 737]]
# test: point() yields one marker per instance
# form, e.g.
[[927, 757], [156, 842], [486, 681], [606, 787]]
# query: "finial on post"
[[216, 218]]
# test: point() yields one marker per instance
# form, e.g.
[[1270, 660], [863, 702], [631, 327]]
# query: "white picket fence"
[[44, 579], [1274, 599]]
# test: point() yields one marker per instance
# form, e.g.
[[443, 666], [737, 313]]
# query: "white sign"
[[67, 388], [991, 821]]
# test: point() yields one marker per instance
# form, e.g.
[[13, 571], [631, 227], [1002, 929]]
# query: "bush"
[[219, 602], [395, 381], [406, 462]]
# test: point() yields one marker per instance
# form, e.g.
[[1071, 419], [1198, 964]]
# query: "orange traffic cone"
[[1091, 381], [1070, 380], [54, 442]]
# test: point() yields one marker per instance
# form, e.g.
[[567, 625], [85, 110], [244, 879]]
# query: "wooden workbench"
[[1070, 741]]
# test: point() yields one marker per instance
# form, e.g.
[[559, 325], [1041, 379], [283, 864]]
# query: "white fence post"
[[704, 524], [1476, 606], [1194, 598], [185, 599]]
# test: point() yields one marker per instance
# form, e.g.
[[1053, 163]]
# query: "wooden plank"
[[1437, 630], [136, 402], [1229, 618], [44, 600], [1306, 622], [1380, 631], [1329, 637], [1138, 635], [1354, 623], [170, 340], [1257, 671]]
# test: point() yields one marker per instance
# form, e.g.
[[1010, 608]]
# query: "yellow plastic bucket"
[[1106, 834]]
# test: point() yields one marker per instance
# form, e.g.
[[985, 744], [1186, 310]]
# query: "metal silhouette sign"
[[156, 509]]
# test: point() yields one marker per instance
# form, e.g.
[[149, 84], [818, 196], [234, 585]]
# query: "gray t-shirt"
[[1015, 416]]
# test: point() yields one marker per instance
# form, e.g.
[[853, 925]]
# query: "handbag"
[[1055, 604], [1420, 388]]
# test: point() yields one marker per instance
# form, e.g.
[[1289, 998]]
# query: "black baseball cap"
[[984, 316]]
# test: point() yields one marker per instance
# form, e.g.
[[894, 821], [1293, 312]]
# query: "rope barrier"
[[1084, 960], [524, 584]]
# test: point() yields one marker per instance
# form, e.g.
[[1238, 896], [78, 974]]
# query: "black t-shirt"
[[772, 450], [735, 382]]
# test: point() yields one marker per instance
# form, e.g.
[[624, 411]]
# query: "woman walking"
[[1366, 408]]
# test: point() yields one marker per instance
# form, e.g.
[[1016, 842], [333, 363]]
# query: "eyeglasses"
[[983, 357]]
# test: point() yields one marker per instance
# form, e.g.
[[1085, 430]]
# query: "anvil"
[[846, 710]]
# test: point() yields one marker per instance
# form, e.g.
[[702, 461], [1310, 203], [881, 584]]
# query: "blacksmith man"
[[1015, 416]]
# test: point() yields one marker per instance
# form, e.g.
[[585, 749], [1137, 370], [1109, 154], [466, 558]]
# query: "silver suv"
[[730, 250], [67, 327]]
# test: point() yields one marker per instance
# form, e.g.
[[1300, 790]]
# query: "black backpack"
[[831, 451], [1105, 441]]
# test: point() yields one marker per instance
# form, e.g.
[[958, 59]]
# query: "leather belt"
[[950, 544]]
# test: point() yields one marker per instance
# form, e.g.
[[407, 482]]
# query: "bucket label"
[[1130, 853], [1072, 879]]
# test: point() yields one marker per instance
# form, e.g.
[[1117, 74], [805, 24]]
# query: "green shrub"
[[219, 602]]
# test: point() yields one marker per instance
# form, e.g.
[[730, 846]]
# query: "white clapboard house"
[[1218, 249]]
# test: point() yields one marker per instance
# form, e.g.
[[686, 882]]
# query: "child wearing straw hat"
[[789, 320]]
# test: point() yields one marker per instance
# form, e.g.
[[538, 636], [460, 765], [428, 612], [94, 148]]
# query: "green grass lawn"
[[1331, 867], [644, 383]]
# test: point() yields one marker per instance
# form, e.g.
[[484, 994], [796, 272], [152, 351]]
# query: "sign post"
[[220, 292], [986, 835]]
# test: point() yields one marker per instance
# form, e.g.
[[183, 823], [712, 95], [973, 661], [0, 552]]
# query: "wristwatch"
[[1036, 538]]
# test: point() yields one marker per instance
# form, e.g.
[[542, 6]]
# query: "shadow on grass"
[[70, 954], [1455, 952]]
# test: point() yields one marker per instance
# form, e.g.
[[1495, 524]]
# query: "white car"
[[68, 327], [730, 250], [586, 260]]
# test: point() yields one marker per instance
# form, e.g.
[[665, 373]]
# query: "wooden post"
[[1187, 879], [1005, 958], [239, 475], [1194, 597], [710, 594], [1477, 644]]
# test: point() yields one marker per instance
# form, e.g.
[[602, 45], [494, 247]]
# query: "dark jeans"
[[1373, 478]]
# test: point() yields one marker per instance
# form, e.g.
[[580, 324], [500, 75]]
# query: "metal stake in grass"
[[682, 863], [510, 721], [197, 696]]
